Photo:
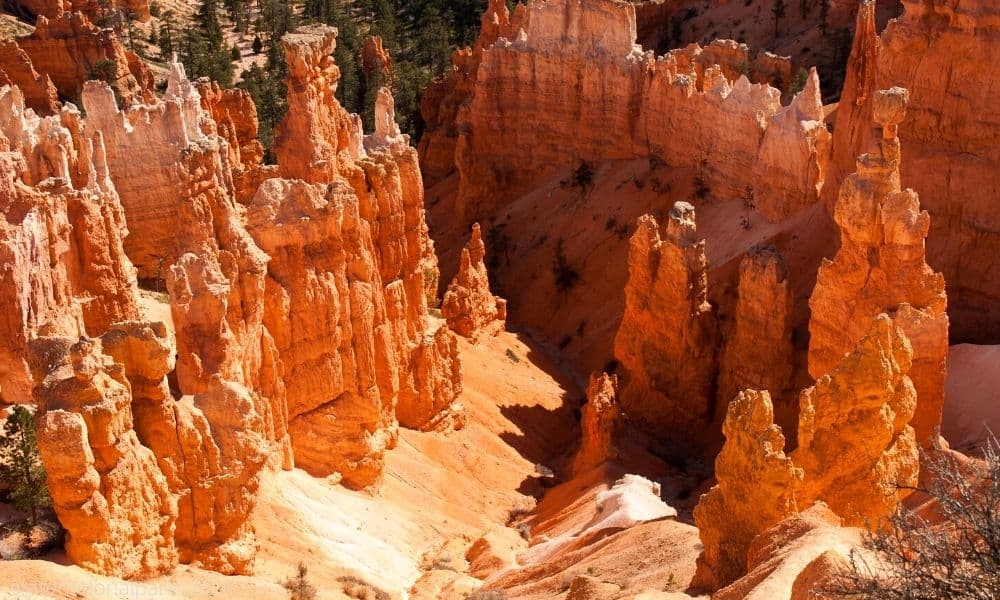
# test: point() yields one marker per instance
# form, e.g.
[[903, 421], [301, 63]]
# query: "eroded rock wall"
[[566, 80], [59, 204]]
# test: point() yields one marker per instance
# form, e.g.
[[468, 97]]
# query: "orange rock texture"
[[756, 490], [468, 305], [106, 486], [59, 203], [300, 316], [600, 423], [67, 46], [949, 138], [880, 267], [856, 453], [139, 9], [567, 80], [16, 69], [757, 353], [856, 447], [667, 338]]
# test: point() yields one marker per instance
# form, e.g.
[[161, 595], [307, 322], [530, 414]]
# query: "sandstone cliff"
[[942, 52], [139, 9], [60, 204], [468, 305], [880, 267], [16, 69], [106, 487], [67, 46], [667, 338], [757, 353], [566, 80]]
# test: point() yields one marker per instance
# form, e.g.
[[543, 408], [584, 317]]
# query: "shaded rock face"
[[856, 453], [758, 353], [667, 338], [16, 69], [880, 267], [599, 423], [468, 305], [944, 52], [756, 490], [67, 46], [566, 79], [106, 487], [60, 204]]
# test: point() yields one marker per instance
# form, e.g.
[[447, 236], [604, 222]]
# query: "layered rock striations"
[[880, 267], [468, 305], [666, 342], [59, 204], [943, 52], [94, 9], [299, 310], [567, 80]]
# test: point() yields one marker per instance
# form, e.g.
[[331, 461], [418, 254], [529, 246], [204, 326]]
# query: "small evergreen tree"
[[799, 83], [20, 464], [257, 45], [105, 70], [778, 10]]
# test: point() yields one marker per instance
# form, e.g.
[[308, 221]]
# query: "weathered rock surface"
[[943, 53], [756, 490], [16, 69], [468, 305], [139, 9], [59, 204], [106, 487], [880, 267], [600, 423], [67, 46], [757, 353], [856, 447], [666, 342], [567, 80]]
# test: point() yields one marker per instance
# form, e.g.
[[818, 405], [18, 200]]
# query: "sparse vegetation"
[[799, 83], [512, 356], [299, 587], [21, 468], [354, 587], [912, 558], [749, 205], [566, 277], [487, 595], [105, 70], [778, 10]]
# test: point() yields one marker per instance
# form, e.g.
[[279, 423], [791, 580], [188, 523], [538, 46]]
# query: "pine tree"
[[20, 464], [778, 10]]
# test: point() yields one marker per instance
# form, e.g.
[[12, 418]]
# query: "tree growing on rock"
[[21, 466]]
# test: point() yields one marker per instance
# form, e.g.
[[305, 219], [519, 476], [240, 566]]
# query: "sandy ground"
[[438, 488], [972, 396]]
